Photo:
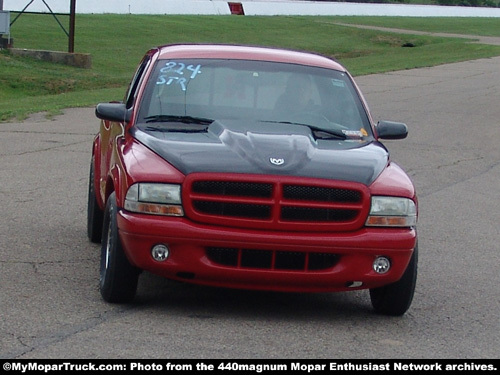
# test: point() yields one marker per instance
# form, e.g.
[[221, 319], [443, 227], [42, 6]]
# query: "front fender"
[[393, 181], [96, 171], [118, 182]]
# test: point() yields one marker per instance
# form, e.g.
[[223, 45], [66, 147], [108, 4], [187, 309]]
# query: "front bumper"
[[188, 260]]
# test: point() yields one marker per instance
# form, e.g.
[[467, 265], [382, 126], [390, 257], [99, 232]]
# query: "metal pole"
[[1, 4], [71, 43]]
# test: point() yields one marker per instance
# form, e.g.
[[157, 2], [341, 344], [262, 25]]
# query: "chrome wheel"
[[118, 278]]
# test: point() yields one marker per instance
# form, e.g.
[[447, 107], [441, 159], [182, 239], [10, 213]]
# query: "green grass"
[[465, 26], [117, 43]]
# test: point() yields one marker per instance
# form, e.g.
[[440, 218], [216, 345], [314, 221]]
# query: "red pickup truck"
[[250, 167]]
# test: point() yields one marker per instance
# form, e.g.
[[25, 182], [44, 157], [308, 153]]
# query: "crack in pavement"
[[48, 149], [457, 182], [63, 334], [35, 266], [45, 132]]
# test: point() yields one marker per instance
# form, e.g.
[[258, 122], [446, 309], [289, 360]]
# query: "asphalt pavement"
[[49, 299]]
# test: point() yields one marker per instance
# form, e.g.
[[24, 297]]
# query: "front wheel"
[[118, 278], [395, 299]]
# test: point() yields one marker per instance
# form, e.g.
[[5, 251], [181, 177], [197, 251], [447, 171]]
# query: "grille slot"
[[290, 261], [256, 259], [309, 214], [321, 261], [271, 260], [232, 188], [223, 255], [321, 194], [254, 211]]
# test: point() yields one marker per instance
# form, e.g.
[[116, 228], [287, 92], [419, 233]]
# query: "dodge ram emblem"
[[277, 161]]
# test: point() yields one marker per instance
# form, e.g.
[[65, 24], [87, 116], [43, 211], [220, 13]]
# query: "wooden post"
[[71, 39]]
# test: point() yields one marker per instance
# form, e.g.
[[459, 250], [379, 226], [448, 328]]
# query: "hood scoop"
[[272, 148]]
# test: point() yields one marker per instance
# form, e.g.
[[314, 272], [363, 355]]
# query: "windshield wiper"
[[331, 133], [182, 119], [335, 133]]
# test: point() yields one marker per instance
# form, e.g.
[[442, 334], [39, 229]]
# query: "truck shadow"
[[208, 302]]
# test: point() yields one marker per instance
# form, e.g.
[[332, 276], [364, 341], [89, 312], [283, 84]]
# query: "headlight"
[[155, 199], [392, 212]]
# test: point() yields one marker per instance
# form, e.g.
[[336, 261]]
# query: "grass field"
[[466, 26], [117, 42]]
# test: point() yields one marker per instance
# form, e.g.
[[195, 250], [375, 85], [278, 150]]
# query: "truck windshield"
[[254, 91]]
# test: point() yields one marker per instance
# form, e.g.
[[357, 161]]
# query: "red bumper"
[[188, 260]]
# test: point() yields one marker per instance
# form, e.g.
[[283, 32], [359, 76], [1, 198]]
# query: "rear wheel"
[[94, 212], [395, 299], [118, 278]]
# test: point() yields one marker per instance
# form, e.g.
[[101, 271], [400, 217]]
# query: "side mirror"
[[117, 112], [391, 130]]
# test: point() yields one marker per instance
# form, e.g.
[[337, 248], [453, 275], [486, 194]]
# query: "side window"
[[134, 84]]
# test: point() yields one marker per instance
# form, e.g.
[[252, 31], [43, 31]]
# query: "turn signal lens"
[[154, 208]]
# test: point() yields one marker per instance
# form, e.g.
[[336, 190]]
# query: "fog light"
[[381, 265], [160, 252]]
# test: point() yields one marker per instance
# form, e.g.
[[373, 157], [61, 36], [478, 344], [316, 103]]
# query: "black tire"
[[94, 213], [395, 299], [118, 278]]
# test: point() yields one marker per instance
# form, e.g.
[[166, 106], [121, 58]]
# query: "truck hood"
[[235, 146]]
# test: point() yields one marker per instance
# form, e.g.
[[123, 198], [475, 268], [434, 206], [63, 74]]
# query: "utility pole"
[[71, 37]]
